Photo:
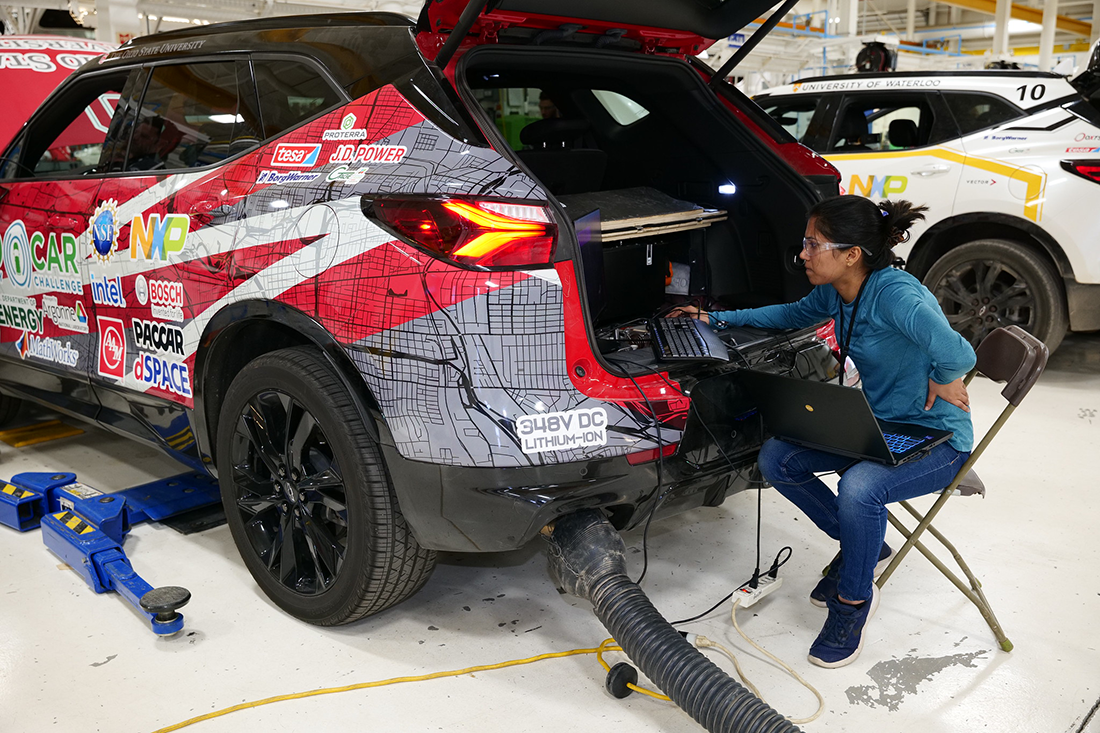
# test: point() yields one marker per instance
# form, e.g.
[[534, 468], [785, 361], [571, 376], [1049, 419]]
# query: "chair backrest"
[[903, 133], [1014, 356]]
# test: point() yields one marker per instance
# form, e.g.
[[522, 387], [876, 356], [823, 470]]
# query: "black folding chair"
[[1010, 355]]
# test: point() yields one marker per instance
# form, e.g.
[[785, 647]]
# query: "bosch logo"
[[166, 293], [289, 155]]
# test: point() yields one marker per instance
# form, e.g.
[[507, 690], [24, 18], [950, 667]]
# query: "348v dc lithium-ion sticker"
[[562, 430]]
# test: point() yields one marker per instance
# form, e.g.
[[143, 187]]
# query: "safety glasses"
[[812, 246]]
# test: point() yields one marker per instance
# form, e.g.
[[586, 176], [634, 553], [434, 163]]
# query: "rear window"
[[291, 92], [975, 111], [623, 110]]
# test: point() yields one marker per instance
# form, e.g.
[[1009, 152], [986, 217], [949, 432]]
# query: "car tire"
[[989, 283], [9, 409], [312, 509]]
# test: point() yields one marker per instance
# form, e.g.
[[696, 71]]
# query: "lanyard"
[[844, 341]]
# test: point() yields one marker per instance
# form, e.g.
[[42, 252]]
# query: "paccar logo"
[[112, 347], [368, 154], [165, 374], [154, 336], [155, 238], [41, 262], [878, 186], [289, 155]]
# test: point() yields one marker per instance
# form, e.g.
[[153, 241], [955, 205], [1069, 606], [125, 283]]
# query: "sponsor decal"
[[982, 181], [368, 154], [877, 186], [1019, 150], [295, 155], [155, 238], [280, 177], [19, 312], [1004, 137], [346, 175], [112, 347], [1083, 150], [107, 291], [41, 262], [105, 230], [562, 430], [840, 86], [68, 317], [154, 336], [48, 349], [347, 130], [1082, 136], [166, 374], [165, 297]]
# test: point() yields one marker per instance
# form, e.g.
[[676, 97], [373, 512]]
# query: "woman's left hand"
[[953, 392]]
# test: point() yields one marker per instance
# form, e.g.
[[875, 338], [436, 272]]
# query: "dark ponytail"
[[875, 229]]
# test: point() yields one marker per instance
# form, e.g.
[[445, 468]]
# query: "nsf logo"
[[105, 229]]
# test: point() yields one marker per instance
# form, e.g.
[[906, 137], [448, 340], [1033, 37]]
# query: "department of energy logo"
[[105, 229]]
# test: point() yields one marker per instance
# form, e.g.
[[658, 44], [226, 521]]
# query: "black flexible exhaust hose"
[[588, 559]]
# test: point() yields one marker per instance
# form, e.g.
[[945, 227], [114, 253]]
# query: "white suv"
[[1008, 163]]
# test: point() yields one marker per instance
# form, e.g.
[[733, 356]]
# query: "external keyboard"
[[900, 443], [685, 338]]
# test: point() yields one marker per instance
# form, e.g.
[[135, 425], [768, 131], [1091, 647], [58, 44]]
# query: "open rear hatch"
[[677, 27]]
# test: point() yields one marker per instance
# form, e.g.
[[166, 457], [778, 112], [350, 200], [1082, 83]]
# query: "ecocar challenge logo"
[[41, 261], [105, 229]]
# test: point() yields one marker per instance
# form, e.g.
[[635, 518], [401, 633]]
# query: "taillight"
[[471, 232], [1089, 169], [648, 456]]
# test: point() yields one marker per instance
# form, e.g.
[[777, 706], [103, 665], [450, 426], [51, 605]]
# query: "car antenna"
[[748, 45]]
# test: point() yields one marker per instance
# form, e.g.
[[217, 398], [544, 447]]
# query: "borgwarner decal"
[[41, 262], [280, 177], [563, 430]]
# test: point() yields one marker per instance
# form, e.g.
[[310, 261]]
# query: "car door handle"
[[61, 221], [205, 206], [931, 170]]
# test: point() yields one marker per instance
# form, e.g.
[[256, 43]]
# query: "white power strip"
[[749, 595]]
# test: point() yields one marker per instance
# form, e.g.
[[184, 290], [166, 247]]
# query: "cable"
[[772, 571], [604, 647], [391, 681]]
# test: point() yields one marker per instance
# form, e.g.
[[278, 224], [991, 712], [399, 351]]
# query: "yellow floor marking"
[[38, 433]]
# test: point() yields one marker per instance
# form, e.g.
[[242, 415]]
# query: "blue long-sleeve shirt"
[[901, 340]]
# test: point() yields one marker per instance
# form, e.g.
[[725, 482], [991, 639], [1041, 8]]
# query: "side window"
[[794, 115], [192, 115], [974, 111], [290, 92], [68, 138], [869, 123]]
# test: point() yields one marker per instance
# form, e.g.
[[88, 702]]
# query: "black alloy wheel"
[[291, 499], [988, 284], [307, 496]]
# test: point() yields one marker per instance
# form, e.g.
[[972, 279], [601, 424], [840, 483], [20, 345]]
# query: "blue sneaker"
[[826, 587], [841, 639]]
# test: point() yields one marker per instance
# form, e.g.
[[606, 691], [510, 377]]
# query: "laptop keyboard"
[[678, 338], [900, 443]]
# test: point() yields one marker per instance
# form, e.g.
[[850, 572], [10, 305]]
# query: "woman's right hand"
[[689, 311]]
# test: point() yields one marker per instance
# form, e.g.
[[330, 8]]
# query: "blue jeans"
[[856, 514]]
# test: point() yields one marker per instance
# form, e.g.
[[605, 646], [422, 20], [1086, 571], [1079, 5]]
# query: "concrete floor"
[[71, 660]]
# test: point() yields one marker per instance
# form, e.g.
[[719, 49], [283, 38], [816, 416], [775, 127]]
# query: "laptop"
[[836, 419]]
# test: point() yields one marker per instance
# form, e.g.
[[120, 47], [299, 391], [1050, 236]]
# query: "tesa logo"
[[290, 155], [112, 347]]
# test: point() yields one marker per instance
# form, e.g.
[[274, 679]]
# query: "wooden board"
[[635, 212]]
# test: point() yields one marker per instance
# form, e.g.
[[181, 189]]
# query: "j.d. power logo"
[[112, 347]]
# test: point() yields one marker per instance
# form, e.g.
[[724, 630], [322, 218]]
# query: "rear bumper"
[[463, 509]]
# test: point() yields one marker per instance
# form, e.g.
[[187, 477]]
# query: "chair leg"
[[974, 593]]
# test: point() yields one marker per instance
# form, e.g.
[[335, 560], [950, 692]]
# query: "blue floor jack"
[[86, 528]]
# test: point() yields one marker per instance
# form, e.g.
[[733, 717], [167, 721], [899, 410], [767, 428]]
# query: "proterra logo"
[[105, 229]]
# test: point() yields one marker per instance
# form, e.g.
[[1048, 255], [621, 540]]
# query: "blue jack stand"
[[86, 529]]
